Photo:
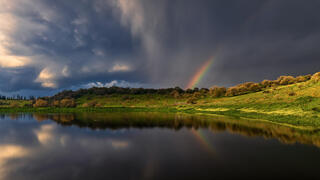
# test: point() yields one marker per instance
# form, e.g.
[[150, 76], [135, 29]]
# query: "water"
[[152, 146]]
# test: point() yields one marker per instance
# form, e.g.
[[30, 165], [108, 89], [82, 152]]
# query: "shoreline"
[[300, 122]]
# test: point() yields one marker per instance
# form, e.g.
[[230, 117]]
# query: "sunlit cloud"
[[47, 78], [120, 68], [7, 26], [45, 134], [10, 152], [119, 144]]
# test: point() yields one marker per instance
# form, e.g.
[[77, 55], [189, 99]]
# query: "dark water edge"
[[140, 145]]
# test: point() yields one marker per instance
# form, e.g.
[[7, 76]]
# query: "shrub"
[[285, 80], [204, 90], [175, 94], [316, 77], [246, 85], [14, 105], [41, 103], [316, 109], [192, 100], [292, 94], [197, 95], [85, 105], [67, 103], [189, 91], [278, 97], [218, 91], [99, 105], [266, 83], [254, 87], [303, 78], [90, 104], [56, 103], [232, 91]]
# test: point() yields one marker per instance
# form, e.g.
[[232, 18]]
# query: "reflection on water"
[[249, 128], [151, 146]]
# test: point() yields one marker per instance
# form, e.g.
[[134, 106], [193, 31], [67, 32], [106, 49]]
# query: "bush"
[[175, 94], [266, 83], [285, 80], [14, 105], [192, 100], [67, 103], [232, 91], [254, 87], [218, 91], [41, 103], [196, 95], [303, 78], [316, 77], [204, 90], [90, 104], [99, 105], [241, 89], [56, 103], [292, 94]]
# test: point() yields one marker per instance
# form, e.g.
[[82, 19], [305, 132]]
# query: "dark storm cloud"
[[163, 43]]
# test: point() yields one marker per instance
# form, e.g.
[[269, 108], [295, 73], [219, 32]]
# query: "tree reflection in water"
[[250, 128]]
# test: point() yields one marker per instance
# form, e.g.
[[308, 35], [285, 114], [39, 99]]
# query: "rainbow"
[[202, 138], [200, 74]]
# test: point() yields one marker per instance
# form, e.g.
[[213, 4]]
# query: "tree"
[[56, 103], [316, 77], [285, 80], [216, 91], [68, 103], [175, 94], [41, 103], [266, 83], [303, 78]]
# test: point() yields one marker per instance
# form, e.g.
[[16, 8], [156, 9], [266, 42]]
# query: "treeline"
[[101, 91], [256, 87], [67, 98], [16, 97]]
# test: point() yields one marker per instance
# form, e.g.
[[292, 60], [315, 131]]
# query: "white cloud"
[[8, 25], [45, 134], [65, 71], [120, 68], [9, 152], [47, 78], [115, 83]]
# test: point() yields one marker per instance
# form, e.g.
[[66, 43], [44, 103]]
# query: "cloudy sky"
[[48, 45]]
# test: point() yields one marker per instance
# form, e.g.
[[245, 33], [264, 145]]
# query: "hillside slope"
[[295, 104], [287, 100]]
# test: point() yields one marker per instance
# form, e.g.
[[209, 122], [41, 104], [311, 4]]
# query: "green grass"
[[277, 105]]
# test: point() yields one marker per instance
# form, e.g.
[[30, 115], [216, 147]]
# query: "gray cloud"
[[59, 44]]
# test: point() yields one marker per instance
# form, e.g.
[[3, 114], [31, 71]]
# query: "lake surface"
[[152, 146]]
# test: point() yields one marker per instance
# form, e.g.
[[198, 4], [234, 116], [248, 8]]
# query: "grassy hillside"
[[288, 100]]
